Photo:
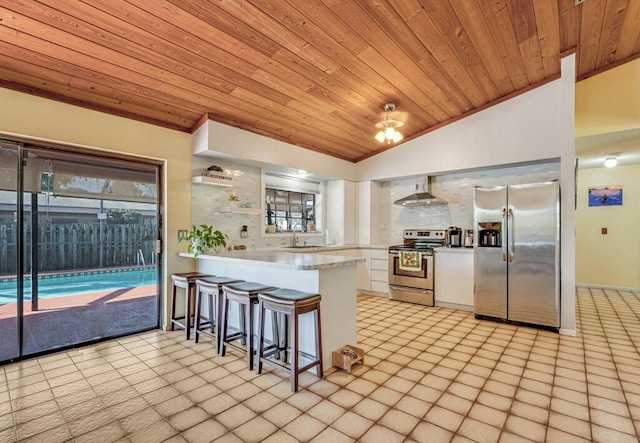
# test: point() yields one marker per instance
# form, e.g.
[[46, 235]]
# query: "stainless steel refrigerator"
[[517, 253]]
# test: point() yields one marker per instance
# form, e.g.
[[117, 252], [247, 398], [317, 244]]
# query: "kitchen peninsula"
[[334, 277]]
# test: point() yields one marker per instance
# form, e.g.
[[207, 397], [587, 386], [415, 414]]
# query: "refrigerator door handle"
[[503, 244], [512, 243]]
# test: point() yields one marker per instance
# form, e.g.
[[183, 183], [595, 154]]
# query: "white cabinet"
[[362, 269], [454, 278], [379, 270]]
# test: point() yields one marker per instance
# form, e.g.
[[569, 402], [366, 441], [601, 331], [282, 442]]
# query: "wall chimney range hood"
[[422, 196]]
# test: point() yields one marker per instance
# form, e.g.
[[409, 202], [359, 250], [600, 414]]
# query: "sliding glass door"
[[9, 348], [89, 226]]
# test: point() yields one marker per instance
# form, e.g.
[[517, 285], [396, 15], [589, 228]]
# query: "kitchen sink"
[[301, 247]]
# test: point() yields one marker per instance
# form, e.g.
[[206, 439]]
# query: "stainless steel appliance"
[[453, 237], [517, 256], [414, 285], [468, 238]]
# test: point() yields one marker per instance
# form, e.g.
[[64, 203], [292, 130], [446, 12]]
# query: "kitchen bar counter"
[[334, 277], [282, 259]]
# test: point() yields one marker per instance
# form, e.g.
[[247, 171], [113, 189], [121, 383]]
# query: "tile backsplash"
[[210, 203], [457, 189]]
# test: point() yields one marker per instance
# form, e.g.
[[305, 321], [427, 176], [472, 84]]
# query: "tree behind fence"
[[67, 246]]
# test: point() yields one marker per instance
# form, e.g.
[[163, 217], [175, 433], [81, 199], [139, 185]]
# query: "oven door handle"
[[423, 255]]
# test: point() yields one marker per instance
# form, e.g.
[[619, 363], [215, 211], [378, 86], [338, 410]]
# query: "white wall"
[[613, 259], [523, 129], [25, 115], [218, 140]]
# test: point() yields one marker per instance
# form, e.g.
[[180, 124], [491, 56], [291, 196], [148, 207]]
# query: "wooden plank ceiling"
[[314, 73]]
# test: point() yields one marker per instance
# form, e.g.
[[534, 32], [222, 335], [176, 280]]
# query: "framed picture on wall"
[[605, 195]]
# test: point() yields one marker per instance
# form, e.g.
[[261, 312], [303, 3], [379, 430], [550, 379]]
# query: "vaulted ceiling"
[[313, 73]]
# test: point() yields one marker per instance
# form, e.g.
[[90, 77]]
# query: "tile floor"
[[431, 375]]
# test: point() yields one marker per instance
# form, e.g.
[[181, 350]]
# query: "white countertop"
[[317, 248], [282, 259], [446, 249]]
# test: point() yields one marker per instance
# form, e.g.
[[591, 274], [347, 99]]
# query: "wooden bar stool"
[[246, 295], [186, 281], [212, 288], [291, 304]]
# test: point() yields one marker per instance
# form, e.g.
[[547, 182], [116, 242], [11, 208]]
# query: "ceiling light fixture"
[[388, 126], [611, 161]]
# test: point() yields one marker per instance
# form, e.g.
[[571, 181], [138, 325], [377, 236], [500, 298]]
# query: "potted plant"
[[233, 199], [271, 227], [202, 238], [311, 223]]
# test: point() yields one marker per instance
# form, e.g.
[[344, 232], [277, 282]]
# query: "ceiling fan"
[[390, 121]]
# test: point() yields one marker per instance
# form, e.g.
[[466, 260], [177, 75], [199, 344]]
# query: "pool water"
[[60, 285]]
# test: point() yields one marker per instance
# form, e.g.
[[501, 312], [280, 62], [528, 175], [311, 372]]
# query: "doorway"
[[78, 259]]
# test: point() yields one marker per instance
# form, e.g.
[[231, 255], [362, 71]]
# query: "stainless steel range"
[[411, 266]]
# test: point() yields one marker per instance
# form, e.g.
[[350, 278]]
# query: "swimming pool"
[[66, 283]]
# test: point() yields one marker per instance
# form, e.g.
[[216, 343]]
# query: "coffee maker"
[[468, 238], [453, 237]]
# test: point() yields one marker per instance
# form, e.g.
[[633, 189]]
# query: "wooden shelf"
[[239, 210], [213, 181]]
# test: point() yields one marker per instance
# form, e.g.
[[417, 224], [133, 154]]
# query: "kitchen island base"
[[333, 277]]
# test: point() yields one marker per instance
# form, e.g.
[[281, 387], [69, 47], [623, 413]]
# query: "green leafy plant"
[[203, 237]]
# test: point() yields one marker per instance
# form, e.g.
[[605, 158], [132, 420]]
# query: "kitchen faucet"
[[295, 239]]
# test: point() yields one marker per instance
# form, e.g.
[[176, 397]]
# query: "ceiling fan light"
[[389, 133], [380, 136], [610, 162], [397, 137]]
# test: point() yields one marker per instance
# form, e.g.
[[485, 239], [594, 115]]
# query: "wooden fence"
[[66, 246]]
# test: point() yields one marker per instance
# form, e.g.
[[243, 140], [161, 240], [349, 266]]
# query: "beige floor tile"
[[612, 421], [55, 435], [604, 434], [454, 403], [119, 396], [413, 406], [39, 425], [352, 425], [205, 432], [33, 412], [362, 386], [478, 430], [555, 435], [217, 404], [108, 433], [157, 432], [90, 422], [379, 433], [281, 414], [236, 416], [444, 418], [330, 435], [82, 409], [525, 428], [160, 395], [385, 395], [326, 411], [255, 430], [304, 400], [140, 420], [345, 398], [570, 425], [304, 428], [127, 408], [174, 405], [280, 437], [426, 432], [399, 421]]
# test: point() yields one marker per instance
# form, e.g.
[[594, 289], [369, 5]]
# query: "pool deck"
[[68, 320]]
